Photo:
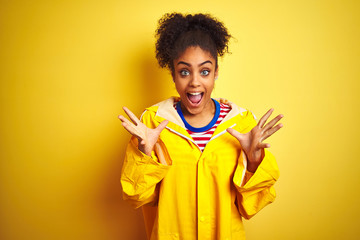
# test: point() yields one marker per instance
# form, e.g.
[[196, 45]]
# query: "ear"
[[216, 74]]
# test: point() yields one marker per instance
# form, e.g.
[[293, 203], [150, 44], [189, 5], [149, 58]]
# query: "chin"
[[195, 111]]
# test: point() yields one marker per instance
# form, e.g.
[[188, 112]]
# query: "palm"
[[252, 142], [147, 137]]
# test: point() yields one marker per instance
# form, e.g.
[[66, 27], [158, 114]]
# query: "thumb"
[[162, 125], [234, 133], [160, 154]]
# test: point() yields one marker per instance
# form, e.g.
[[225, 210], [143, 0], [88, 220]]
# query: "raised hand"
[[252, 142], [147, 137]]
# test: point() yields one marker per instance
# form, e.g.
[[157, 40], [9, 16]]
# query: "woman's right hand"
[[147, 137]]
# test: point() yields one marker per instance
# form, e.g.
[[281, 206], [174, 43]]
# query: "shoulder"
[[234, 108], [161, 110], [244, 118]]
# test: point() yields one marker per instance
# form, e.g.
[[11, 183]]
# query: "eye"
[[184, 73], [205, 72]]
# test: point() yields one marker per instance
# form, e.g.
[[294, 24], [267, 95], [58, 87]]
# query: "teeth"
[[197, 93]]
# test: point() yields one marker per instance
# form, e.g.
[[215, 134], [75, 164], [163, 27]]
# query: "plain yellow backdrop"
[[67, 68]]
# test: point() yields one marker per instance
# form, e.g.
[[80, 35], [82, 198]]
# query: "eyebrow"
[[189, 65]]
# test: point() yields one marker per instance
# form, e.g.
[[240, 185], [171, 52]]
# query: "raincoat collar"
[[165, 110]]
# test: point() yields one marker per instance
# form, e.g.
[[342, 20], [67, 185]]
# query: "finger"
[[142, 141], [160, 154], [234, 133], [263, 145], [125, 120], [273, 122], [264, 118], [271, 131], [162, 125], [131, 115], [131, 129]]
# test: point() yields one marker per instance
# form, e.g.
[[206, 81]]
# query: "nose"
[[194, 82]]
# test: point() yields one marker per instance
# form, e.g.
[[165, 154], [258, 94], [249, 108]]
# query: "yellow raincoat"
[[199, 195]]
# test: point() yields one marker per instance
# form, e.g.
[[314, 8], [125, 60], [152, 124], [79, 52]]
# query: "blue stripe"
[[202, 129]]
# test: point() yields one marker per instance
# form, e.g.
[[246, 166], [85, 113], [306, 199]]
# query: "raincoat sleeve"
[[140, 175], [255, 190]]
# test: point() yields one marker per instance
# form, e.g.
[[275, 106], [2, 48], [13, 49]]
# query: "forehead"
[[195, 55]]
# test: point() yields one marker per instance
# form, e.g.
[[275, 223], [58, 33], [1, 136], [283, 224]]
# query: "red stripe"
[[201, 138]]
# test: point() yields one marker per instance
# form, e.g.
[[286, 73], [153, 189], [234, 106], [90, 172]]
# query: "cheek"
[[180, 88], [210, 86]]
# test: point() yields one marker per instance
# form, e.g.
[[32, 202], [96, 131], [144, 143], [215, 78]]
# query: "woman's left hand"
[[252, 142]]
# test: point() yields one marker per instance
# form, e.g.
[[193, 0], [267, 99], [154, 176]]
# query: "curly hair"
[[176, 32]]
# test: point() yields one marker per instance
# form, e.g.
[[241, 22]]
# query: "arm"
[[255, 190], [257, 170], [143, 167], [141, 175]]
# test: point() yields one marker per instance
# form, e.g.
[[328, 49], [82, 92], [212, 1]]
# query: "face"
[[194, 75]]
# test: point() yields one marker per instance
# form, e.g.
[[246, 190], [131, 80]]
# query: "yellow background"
[[67, 68]]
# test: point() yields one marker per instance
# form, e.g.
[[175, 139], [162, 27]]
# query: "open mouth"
[[195, 98]]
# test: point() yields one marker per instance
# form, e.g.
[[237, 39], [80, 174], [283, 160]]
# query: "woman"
[[197, 165]]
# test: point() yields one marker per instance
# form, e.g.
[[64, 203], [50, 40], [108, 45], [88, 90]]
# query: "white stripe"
[[253, 115], [142, 115], [172, 130], [201, 142], [201, 135]]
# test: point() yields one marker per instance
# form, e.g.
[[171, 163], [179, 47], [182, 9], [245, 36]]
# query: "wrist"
[[254, 162], [144, 150], [251, 167]]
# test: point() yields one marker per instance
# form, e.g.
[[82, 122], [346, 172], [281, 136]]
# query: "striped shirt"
[[201, 136]]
